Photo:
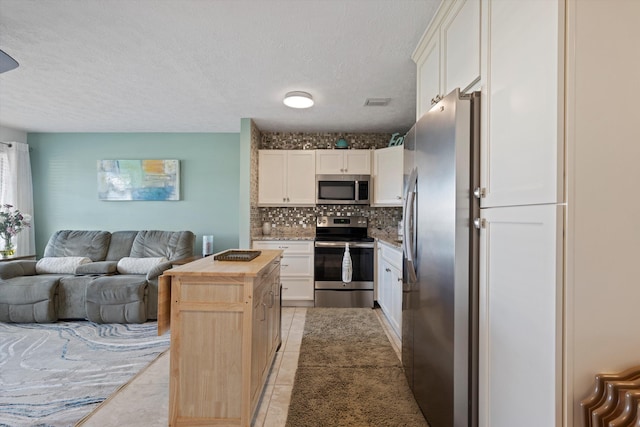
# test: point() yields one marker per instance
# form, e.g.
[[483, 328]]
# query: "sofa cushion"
[[116, 299], [92, 244], [129, 265], [170, 244], [28, 299], [60, 265], [120, 246], [70, 298], [99, 267]]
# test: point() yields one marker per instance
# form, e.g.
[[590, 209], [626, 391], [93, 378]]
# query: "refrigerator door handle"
[[408, 232]]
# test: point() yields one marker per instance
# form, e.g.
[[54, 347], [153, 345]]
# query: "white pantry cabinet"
[[448, 55], [520, 316], [522, 116], [343, 162], [286, 177], [296, 270], [389, 296], [545, 148], [387, 176]]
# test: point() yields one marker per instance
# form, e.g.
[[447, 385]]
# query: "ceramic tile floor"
[[144, 402]]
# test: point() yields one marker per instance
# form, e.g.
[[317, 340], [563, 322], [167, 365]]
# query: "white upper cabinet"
[[448, 56], [522, 145], [339, 162], [428, 69], [387, 176], [460, 36], [286, 177]]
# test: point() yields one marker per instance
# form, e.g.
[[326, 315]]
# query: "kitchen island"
[[225, 329]]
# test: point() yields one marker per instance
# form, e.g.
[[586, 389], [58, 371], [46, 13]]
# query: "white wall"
[[9, 135], [603, 233]]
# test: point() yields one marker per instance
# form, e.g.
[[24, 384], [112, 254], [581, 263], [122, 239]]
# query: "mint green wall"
[[65, 184], [244, 238]]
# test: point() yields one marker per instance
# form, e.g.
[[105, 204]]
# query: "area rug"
[[349, 375], [55, 374]]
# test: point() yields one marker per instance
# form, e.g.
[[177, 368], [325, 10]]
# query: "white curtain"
[[16, 189]]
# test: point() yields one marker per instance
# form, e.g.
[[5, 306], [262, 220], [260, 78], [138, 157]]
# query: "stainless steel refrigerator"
[[440, 277]]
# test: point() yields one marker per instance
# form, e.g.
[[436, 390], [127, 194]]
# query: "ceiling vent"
[[377, 102]]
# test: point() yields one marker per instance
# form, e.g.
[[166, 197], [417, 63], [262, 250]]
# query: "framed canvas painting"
[[139, 179]]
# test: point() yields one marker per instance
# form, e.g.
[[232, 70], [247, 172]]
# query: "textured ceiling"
[[202, 65]]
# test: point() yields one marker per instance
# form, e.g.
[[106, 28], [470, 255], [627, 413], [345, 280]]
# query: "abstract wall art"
[[139, 179]]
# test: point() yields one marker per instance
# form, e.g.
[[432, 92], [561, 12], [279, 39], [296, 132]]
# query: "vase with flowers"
[[12, 221]]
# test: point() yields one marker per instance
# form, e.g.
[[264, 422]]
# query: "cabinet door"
[[387, 180], [461, 45], [522, 103], [428, 70], [272, 169], [301, 177], [384, 282], [258, 339], [520, 325], [395, 300], [357, 162], [329, 162]]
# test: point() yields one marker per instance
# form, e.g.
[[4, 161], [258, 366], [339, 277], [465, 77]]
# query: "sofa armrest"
[[98, 267], [13, 269], [157, 270]]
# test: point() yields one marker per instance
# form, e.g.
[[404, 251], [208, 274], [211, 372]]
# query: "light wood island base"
[[225, 330]]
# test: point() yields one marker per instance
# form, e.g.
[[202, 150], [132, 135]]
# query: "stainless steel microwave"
[[342, 189]]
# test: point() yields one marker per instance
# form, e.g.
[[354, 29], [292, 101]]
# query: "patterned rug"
[[349, 375], [55, 374]]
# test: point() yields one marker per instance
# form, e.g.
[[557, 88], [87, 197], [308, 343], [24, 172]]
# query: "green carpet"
[[349, 375]]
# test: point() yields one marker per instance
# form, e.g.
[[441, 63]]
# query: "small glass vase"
[[8, 248]]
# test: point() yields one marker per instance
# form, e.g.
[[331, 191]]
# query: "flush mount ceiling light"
[[298, 100], [6, 62]]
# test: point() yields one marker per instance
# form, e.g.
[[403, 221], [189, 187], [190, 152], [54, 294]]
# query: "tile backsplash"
[[309, 141], [301, 221]]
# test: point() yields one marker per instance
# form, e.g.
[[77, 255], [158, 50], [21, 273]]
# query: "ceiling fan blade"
[[6, 62]]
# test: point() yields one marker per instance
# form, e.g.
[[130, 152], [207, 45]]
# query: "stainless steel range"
[[332, 235]]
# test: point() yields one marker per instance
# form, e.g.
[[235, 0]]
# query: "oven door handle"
[[343, 244]]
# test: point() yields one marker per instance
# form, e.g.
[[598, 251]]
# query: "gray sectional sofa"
[[101, 276]]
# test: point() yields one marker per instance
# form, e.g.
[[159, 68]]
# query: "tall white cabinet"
[[558, 277], [522, 207]]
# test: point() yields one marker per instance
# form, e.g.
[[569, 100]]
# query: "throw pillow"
[[129, 265], [60, 265]]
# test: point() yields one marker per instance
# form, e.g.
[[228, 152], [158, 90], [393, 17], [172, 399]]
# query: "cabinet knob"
[[400, 279], [479, 192], [479, 223], [388, 270], [399, 197]]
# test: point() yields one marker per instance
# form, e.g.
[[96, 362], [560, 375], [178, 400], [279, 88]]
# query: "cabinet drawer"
[[288, 246], [296, 265], [300, 288]]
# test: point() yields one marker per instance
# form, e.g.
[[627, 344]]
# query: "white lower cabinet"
[[520, 316], [296, 270], [389, 264]]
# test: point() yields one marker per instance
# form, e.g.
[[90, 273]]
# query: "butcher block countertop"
[[211, 268]]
